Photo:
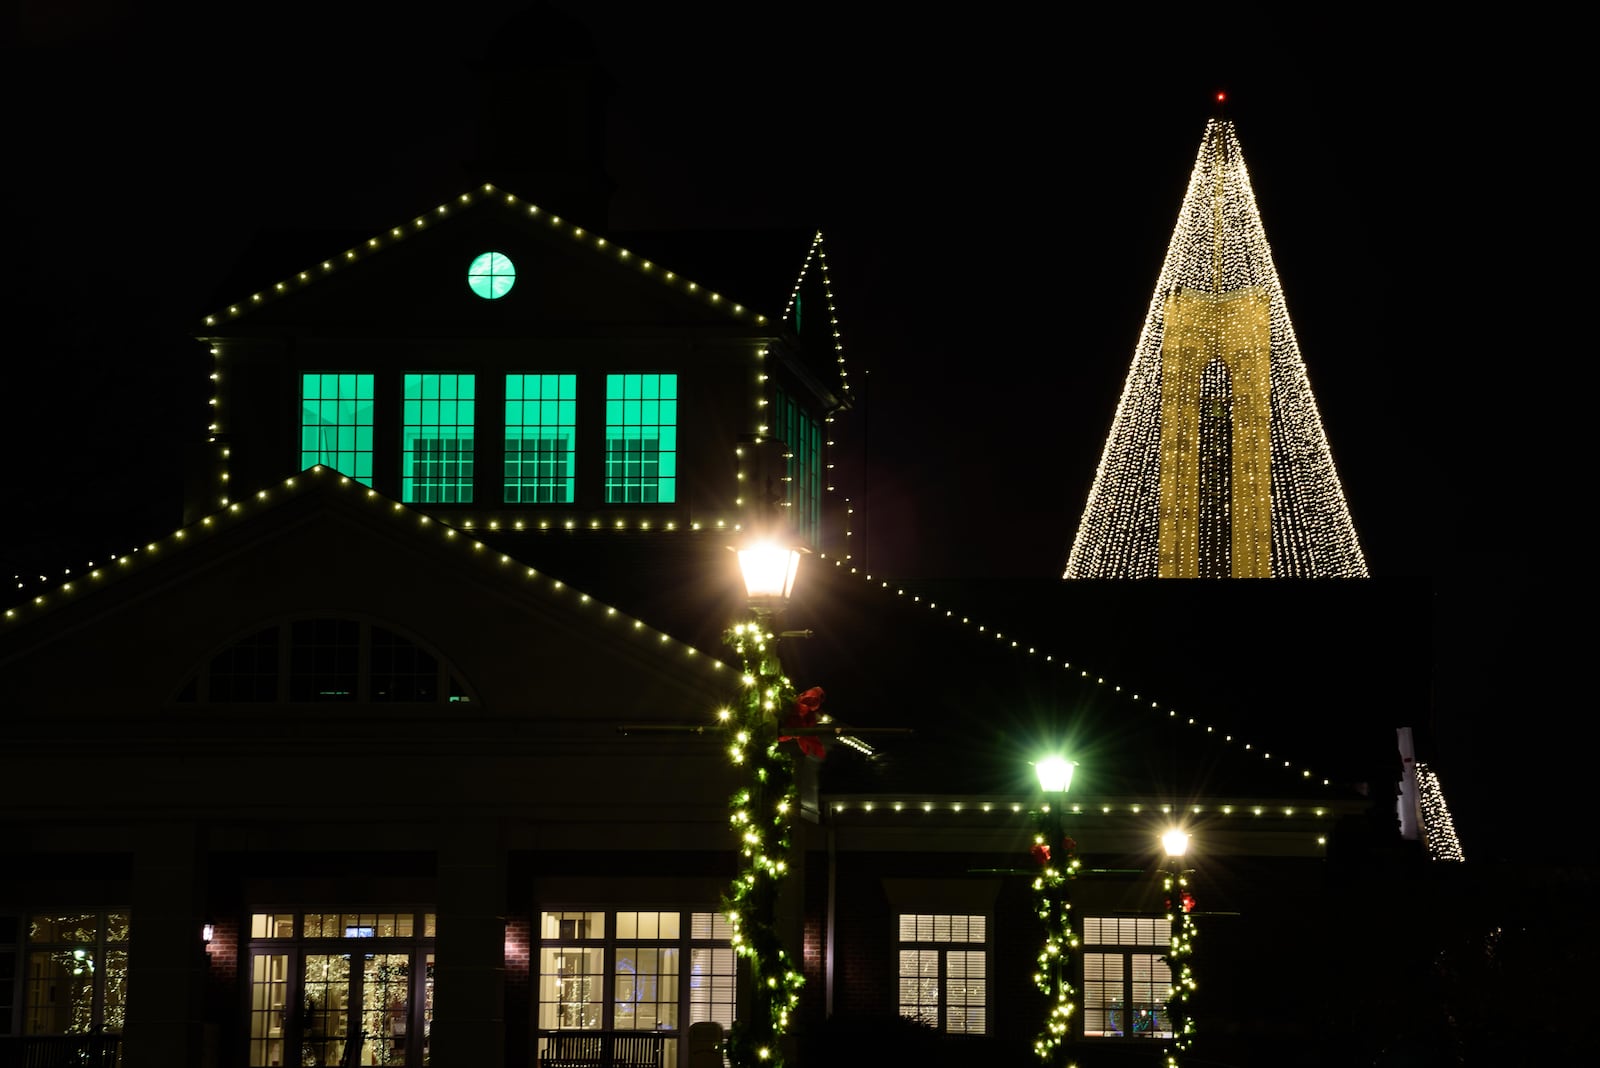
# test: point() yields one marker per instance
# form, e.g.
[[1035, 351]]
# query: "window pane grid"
[[541, 427], [437, 439], [1124, 992], [353, 987], [941, 986], [76, 978], [336, 423], [641, 438], [802, 439]]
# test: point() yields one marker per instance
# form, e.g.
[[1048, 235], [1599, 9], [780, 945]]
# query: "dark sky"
[[997, 185], [997, 197]]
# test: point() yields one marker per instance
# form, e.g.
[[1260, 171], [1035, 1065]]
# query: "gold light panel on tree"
[[1217, 464]]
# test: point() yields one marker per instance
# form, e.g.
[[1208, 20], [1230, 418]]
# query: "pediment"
[[414, 278]]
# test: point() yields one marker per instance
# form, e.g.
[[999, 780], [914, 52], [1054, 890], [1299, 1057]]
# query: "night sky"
[[997, 186]]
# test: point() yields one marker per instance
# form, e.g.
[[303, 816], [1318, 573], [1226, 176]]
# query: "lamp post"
[[1056, 855], [762, 807], [1179, 905]]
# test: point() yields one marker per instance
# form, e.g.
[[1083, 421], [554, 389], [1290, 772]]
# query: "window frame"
[[419, 947], [624, 414], [567, 420], [456, 480], [943, 1003], [97, 952], [1140, 936], [274, 669], [356, 462], [722, 979]]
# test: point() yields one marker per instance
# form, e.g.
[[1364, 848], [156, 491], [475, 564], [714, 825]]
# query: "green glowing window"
[[802, 450], [641, 439], [336, 423], [492, 275], [541, 422], [436, 439]]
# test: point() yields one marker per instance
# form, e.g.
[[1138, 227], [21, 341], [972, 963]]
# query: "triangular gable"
[[183, 554], [487, 198], [814, 276]]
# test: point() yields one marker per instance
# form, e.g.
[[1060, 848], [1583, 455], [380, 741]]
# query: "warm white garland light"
[[1438, 829], [1179, 487]]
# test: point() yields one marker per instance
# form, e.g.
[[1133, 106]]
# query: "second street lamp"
[[1056, 855], [1180, 906]]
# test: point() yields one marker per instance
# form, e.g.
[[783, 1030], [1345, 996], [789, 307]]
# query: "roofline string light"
[[214, 523], [1305, 773], [488, 194]]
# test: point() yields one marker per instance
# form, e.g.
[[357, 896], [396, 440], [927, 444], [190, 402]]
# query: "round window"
[[491, 275]]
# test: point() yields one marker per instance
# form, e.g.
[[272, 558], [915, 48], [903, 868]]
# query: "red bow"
[[1185, 899], [1041, 853], [805, 715]]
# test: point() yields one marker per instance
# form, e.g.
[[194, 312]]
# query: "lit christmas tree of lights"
[[1217, 465], [1438, 829]]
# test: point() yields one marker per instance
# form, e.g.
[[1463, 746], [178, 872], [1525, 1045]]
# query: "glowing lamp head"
[[207, 932], [769, 570], [1175, 842], [1221, 96], [1055, 774]]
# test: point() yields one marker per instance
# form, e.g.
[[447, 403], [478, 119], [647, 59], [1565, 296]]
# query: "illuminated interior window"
[[77, 973], [541, 423], [336, 423], [436, 439], [1126, 980], [325, 998], [944, 971], [641, 438], [492, 275], [653, 972], [802, 448]]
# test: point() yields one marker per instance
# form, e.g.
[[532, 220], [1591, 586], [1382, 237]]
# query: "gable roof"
[[487, 197], [217, 540]]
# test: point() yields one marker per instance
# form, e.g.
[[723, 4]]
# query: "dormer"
[[503, 368]]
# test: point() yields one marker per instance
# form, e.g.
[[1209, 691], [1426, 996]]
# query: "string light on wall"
[[1217, 464]]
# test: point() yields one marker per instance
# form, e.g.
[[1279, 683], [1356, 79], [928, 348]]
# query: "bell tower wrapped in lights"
[[1217, 465]]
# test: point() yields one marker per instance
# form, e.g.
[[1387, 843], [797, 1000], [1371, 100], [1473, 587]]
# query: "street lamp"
[[763, 806], [1180, 906], [1056, 855]]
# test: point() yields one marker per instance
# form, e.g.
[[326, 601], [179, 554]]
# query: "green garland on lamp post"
[[762, 816], [1058, 862], [1179, 905]]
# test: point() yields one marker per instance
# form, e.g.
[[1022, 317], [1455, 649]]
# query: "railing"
[[59, 1051], [603, 1049]]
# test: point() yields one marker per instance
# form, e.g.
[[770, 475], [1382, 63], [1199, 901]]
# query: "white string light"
[[1216, 431]]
